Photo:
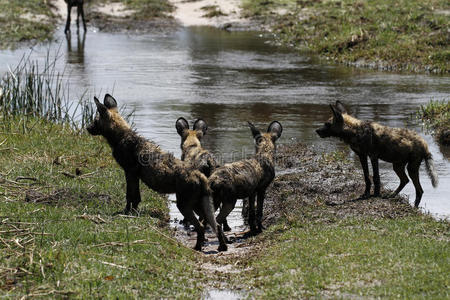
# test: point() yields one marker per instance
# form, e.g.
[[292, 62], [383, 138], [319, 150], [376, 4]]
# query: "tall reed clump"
[[35, 91]]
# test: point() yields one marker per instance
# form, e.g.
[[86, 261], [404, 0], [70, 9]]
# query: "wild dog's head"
[[335, 125], [265, 142], [107, 119], [191, 138]]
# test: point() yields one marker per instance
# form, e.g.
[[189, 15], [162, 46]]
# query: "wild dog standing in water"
[[247, 178], [143, 160], [401, 147], [193, 152]]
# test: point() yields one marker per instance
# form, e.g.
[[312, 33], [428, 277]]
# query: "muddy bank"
[[326, 183]]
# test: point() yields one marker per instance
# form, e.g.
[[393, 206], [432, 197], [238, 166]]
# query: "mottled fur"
[[143, 160], [193, 152], [401, 147], [80, 12], [247, 178]]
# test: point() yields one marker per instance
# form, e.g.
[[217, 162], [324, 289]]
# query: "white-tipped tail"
[[208, 207], [431, 171]]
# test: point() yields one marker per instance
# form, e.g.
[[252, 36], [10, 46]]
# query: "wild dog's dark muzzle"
[[323, 132]]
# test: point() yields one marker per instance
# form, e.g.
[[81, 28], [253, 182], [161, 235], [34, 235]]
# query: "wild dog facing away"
[[401, 147], [143, 160], [247, 178], [193, 152], [80, 12]]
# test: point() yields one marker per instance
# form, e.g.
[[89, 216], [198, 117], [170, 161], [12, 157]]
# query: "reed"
[[37, 91]]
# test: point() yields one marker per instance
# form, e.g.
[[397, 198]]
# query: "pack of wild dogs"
[[202, 186]]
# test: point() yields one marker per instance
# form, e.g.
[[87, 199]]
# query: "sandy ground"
[[115, 9], [190, 13]]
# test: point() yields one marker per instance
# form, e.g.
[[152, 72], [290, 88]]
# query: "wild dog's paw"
[[222, 248], [364, 196], [226, 227]]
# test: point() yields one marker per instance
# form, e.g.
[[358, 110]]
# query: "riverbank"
[[406, 36], [436, 117], [60, 190]]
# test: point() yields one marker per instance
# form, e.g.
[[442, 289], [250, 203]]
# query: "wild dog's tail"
[[207, 203], [431, 170]]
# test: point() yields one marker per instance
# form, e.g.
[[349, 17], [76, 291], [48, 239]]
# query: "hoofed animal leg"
[[82, 18], [79, 8], [376, 176], [413, 171], [67, 29], [365, 167]]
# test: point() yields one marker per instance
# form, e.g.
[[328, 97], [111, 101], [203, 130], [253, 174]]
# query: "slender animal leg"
[[67, 29], [259, 210], [251, 214], [133, 193], [82, 17], [413, 171], [376, 176], [225, 210], [399, 169], [188, 214], [365, 167]]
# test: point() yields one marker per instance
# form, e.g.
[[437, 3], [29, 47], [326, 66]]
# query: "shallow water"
[[230, 78]]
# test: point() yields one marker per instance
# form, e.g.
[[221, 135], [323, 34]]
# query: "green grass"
[[59, 232], [405, 34], [14, 28], [436, 115], [321, 256]]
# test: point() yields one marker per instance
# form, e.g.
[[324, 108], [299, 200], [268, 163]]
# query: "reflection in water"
[[76, 56], [229, 78]]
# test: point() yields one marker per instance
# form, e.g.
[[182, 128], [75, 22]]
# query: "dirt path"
[[194, 13]]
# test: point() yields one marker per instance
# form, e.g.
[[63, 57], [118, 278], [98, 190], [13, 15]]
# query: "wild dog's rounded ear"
[[340, 107], [100, 107], [275, 129], [109, 101], [337, 115], [200, 125], [181, 125], [255, 132]]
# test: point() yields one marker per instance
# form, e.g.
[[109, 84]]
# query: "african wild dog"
[[80, 12], [143, 160], [193, 152], [247, 178], [398, 146]]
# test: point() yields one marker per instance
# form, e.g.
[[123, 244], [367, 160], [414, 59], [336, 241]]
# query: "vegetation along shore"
[[61, 234]]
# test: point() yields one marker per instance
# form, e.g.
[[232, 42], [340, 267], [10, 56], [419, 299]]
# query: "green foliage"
[[59, 193], [404, 34], [16, 25]]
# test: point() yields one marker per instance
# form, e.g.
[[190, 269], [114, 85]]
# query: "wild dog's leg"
[[251, 214], [413, 171], [133, 193], [227, 207], [188, 214], [217, 204], [376, 176], [67, 29], [259, 210], [365, 167], [399, 169]]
